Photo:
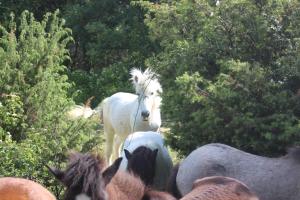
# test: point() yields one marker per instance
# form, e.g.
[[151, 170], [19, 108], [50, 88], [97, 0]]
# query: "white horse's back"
[[78, 111], [152, 140]]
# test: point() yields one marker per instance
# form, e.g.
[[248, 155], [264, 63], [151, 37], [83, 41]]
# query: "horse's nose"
[[145, 114]]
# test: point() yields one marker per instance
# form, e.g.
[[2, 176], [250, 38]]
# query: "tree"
[[235, 70], [34, 129]]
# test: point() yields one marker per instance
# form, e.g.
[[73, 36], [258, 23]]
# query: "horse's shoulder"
[[223, 185], [25, 186]]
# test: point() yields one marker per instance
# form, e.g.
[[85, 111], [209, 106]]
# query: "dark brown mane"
[[157, 195], [125, 186], [83, 174]]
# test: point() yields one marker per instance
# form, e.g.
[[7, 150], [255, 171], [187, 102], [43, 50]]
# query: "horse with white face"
[[125, 113]]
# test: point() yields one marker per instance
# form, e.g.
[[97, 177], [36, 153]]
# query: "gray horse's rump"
[[269, 178]]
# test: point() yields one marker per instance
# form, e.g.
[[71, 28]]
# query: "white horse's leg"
[[109, 136], [118, 141]]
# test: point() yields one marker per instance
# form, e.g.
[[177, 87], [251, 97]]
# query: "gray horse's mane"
[[294, 153]]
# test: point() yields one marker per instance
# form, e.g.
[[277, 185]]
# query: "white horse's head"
[[148, 90]]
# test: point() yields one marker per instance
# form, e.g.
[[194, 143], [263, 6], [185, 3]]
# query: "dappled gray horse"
[[269, 178]]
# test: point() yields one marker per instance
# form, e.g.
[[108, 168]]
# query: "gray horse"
[[269, 178]]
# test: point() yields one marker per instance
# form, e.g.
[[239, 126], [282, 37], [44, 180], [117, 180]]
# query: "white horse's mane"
[[146, 80]]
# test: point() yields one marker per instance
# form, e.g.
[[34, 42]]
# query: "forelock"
[[147, 80]]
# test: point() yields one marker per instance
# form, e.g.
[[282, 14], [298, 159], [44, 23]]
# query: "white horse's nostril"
[[145, 114]]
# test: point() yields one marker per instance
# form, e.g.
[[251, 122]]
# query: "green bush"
[[230, 72], [34, 128], [108, 32]]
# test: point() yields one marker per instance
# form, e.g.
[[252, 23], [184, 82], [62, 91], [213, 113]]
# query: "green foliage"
[[230, 74], [236, 70], [37, 7], [34, 128], [12, 117], [108, 32], [99, 84], [243, 107]]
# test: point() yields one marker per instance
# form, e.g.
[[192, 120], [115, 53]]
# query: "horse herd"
[[140, 167]]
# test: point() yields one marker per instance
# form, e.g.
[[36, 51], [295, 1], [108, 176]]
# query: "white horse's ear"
[[136, 75]]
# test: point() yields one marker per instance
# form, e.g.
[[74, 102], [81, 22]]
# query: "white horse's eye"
[[152, 93]]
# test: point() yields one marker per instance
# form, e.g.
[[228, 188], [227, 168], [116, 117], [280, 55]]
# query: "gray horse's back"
[[269, 178], [152, 140]]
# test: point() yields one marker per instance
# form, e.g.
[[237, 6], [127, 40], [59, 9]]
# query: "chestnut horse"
[[219, 188], [86, 175], [12, 188]]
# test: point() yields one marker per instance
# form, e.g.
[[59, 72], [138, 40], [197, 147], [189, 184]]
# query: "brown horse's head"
[[141, 162], [85, 175]]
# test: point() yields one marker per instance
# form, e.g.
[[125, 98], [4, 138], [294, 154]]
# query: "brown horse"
[[219, 188], [23, 189], [86, 175]]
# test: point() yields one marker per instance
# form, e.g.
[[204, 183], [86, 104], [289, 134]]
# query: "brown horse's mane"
[[219, 180], [220, 188], [157, 195], [78, 179], [85, 174], [125, 186]]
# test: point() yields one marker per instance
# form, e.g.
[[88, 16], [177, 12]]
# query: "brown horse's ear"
[[56, 172], [127, 154], [109, 173]]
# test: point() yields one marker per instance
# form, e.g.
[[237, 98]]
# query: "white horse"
[[125, 113], [84, 111]]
